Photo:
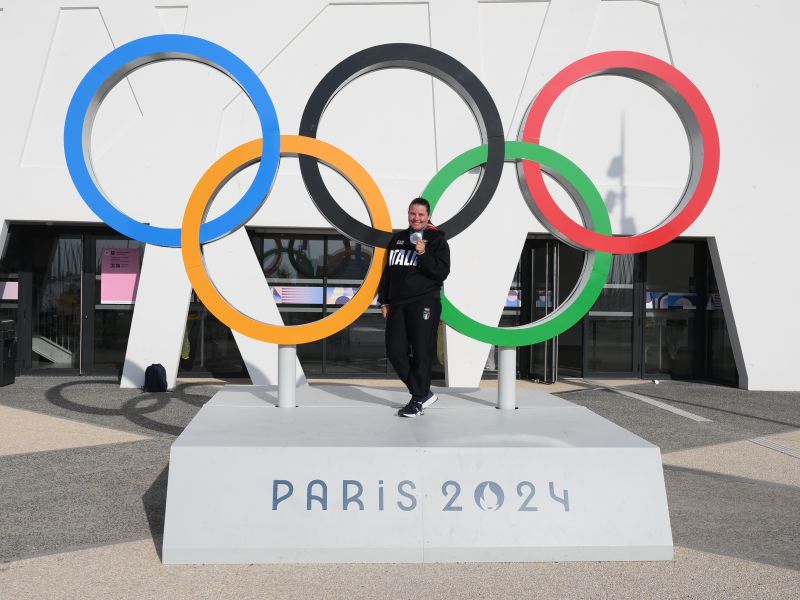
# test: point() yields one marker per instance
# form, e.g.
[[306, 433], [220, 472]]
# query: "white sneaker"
[[411, 410], [429, 400]]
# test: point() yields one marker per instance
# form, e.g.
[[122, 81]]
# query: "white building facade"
[[693, 308]]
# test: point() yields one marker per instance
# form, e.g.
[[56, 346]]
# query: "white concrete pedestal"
[[341, 478]]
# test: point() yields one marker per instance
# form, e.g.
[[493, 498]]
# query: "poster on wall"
[[119, 275], [9, 291], [292, 294]]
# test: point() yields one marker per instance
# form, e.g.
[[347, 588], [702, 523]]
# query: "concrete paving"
[[86, 521], [740, 459], [133, 570], [23, 431]]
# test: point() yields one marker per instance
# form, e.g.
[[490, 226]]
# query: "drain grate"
[[650, 401], [762, 441]]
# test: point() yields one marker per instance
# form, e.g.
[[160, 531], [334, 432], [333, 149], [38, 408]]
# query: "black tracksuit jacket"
[[409, 276]]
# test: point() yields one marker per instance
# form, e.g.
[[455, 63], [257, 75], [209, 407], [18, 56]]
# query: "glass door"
[[9, 291], [360, 348], [550, 270], [611, 332], [110, 284], [671, 327], [544, 255], [56, 301], [659, 315], [720, 363], [294, 266]]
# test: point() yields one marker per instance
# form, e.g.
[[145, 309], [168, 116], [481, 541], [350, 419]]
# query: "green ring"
[[581, 300]]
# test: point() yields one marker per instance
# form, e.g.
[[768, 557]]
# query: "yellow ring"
[[210, 183]]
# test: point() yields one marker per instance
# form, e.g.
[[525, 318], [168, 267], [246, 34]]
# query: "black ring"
[[433, 62], [307, 270]]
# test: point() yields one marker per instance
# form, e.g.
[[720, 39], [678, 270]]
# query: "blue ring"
[[120, 63]]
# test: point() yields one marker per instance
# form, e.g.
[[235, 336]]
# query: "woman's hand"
[[420, 248], [385, 310]]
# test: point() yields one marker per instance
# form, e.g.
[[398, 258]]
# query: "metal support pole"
[[287, 376], [506, 378]]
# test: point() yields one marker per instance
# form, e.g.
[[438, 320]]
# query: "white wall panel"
[[384, 120], [173, 18], [638, 155], [742, 56], [509, 33], [492, 246], [156, 134], [66, 65]]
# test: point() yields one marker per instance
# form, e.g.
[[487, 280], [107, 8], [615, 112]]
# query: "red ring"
[[596, 64]]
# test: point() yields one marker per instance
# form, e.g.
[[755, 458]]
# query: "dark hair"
[[422, 202]]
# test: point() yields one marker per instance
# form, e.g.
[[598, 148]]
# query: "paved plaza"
[[84, 467]]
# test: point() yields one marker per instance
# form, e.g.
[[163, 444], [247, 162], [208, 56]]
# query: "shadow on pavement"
[[359, 394], [135, 409], [734, 516], [724, 410], [154, 501]]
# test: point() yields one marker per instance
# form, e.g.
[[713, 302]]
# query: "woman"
[[419, 261]]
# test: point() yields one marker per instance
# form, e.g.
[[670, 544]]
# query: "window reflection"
[[56, 311], [670, 315], [9, 283], [112, 321], [347, 260], [721, 363], [610, 321], [313, 275], [358, 349], [292, 259]]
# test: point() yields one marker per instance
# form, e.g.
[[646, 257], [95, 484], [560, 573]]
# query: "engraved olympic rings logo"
[[593, 234]]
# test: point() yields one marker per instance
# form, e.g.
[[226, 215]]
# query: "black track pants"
[[411, 342]]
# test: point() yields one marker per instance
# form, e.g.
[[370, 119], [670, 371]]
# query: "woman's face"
[[418, 217]]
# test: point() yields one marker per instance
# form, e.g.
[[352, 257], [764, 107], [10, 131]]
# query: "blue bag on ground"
[[155, 378]]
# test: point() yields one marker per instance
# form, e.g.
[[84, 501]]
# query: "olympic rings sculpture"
[[593, 235]]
